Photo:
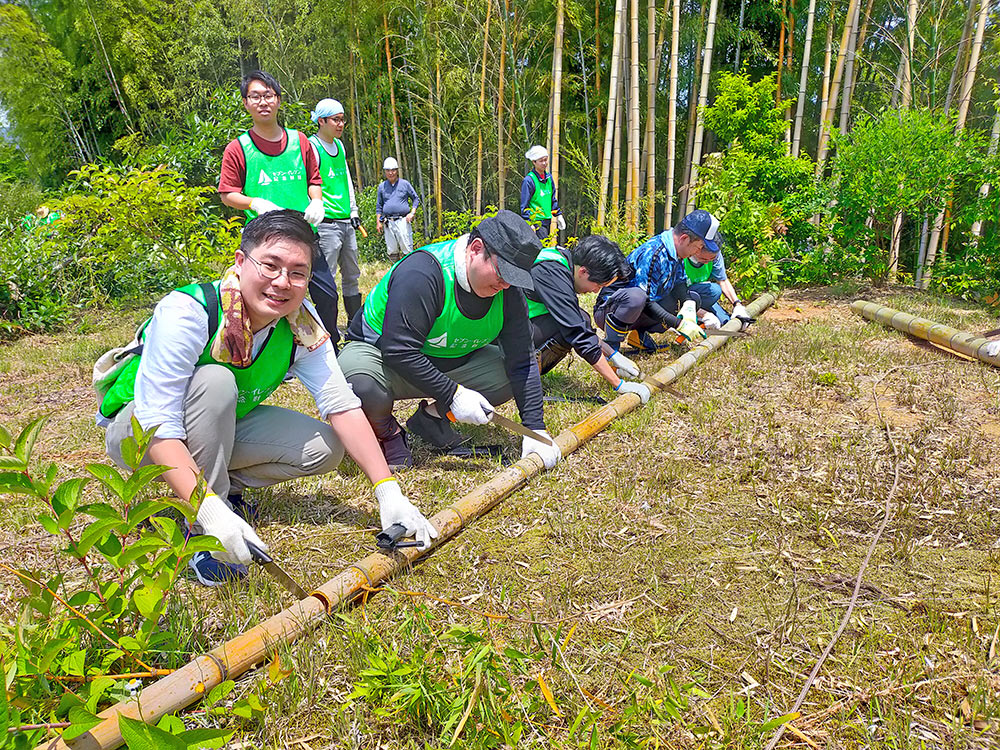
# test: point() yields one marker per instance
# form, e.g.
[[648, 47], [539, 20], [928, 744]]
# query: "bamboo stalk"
[[845, 105], [633, 130], [825, 88], [501, 164], [941, 335], [557, 53], [984, 189], [692, 114], [610, 124], [803, 79], [197, 678], [482, 112], [651, 74], [668, 199], [834, 93], [706, 71], [392, 95]]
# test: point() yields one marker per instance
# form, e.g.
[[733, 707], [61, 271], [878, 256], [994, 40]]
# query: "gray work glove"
[[639, 389]]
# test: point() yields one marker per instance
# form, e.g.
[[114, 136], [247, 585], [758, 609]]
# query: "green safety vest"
[[281, 179], [452, 335], [697, 274], [254, 383], [548, 253], [540, 202], [333, 171]]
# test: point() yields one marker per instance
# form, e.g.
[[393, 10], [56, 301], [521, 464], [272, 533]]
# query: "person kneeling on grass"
[[449, 321], [208, 357], [558, 324]]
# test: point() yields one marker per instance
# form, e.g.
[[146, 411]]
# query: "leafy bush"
[[122, 234], [763, 197], [18, 199], [112, 609]]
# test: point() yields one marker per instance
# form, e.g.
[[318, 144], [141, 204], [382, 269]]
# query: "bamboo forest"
[[488, 374]]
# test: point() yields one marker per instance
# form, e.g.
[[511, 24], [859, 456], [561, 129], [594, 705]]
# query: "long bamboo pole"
[[392, 95], [557, 66], [699, 133], [951, 338], [668, 199], [803, 79], [501, 163], [652, 55], [482, 112], [610, 124], [633, 130], [834, 93], [197, 678]]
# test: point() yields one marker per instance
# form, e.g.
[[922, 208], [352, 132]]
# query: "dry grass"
[[719, 534]]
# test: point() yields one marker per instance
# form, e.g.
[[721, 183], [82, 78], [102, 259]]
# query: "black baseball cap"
[[510, 240]]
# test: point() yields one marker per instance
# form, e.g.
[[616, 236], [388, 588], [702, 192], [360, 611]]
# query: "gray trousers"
[[267, 446], [398, 237], [339, 245]]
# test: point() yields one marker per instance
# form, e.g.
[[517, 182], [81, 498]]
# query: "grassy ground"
[[709, 544]]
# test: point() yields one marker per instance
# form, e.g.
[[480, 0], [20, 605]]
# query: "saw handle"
[[389, 539], [259, 555]]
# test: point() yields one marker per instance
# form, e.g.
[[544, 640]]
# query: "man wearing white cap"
[[395, 207], [337, 239], [538, 194]]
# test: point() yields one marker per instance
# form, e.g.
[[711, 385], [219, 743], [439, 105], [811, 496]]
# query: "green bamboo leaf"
[[82, 721], [26, 440]]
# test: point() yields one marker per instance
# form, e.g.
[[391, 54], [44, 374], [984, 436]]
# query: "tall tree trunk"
[[633, 129], [706, 70], [611, 126], [789, 62], [482, 112], [781, 55], [357, 138], [739, 36], [668, 199], [984, 190], [619, 123], [963, 47], [692, 115], [963, 112], [654, 61], [651, 74], [420, 172], [392, 95], [831, 104], [436, 104], [501, 163], [597, 77], [907, 95], [557, 93], [586, 96], [845, 107], [825, 88], [803, 79]]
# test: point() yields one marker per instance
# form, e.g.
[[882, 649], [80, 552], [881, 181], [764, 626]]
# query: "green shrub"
[[17, 200], [122, 235]]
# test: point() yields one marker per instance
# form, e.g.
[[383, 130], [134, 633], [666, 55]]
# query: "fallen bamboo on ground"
[[197, 678], [951, 339]]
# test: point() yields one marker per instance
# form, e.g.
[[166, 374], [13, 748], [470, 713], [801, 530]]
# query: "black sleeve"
[[519, 359], [655, 310], [554, 287], [415, 300]]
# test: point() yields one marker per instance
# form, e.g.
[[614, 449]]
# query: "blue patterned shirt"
[[657, 267]]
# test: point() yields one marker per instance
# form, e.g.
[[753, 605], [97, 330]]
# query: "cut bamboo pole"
[[940, 335], [197, 678]]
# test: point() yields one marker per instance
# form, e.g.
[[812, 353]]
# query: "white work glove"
[[218, 520], [689, 311], [992, 349], [639, 389], [560, 222], [394, 507], [263, 205], [550, 454], [470, 407], [624, 367], [691, 331], [745, 318], [711, 320], [314, 212]]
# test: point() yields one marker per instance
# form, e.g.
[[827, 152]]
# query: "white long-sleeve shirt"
[[175, 339]]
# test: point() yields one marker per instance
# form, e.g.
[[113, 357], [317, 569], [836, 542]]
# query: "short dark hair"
[[683, 231], [276, 225], [602, 258], [259, 75]]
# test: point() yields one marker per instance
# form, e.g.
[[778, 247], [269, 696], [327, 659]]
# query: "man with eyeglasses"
[[658, 297], [450, 322], [201, 367], [338, 231], [269, 168]]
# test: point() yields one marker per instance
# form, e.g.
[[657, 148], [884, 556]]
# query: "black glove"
[[355, 221], [655, 310]]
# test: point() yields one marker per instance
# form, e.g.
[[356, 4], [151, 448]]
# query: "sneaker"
[[641, 340], [247, 510], [433, 430], [397, 451], [212, 572]]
